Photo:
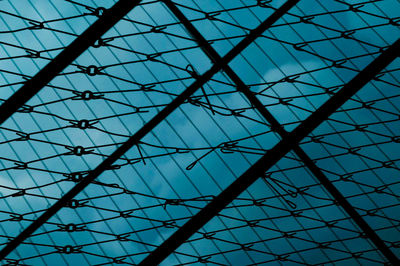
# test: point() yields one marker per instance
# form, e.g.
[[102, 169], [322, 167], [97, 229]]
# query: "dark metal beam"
[[31, 87], [276, 126], [272, 157], [135, 139]]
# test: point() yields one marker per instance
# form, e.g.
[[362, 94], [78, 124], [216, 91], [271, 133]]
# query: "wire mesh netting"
[[235, 116]]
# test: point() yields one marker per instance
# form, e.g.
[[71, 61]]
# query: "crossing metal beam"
[[276, 126], [135, 139], [272, 157]]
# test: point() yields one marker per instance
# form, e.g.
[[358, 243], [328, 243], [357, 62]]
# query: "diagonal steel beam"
[[276, 126], [272, 157], [31, 87], [135, 139]]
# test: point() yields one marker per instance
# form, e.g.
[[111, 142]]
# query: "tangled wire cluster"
[[55, 140]]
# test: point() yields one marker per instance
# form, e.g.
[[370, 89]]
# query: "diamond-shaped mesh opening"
[[174, 103]]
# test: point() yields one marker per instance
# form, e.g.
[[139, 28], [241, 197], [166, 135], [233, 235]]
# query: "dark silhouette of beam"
[[106, 21], [276, 126], [135, 139], [272, 157]]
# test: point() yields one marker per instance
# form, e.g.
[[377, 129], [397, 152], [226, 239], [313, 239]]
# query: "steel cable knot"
[[263, 3], [204, 259], [68, 249], [74, 204]]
